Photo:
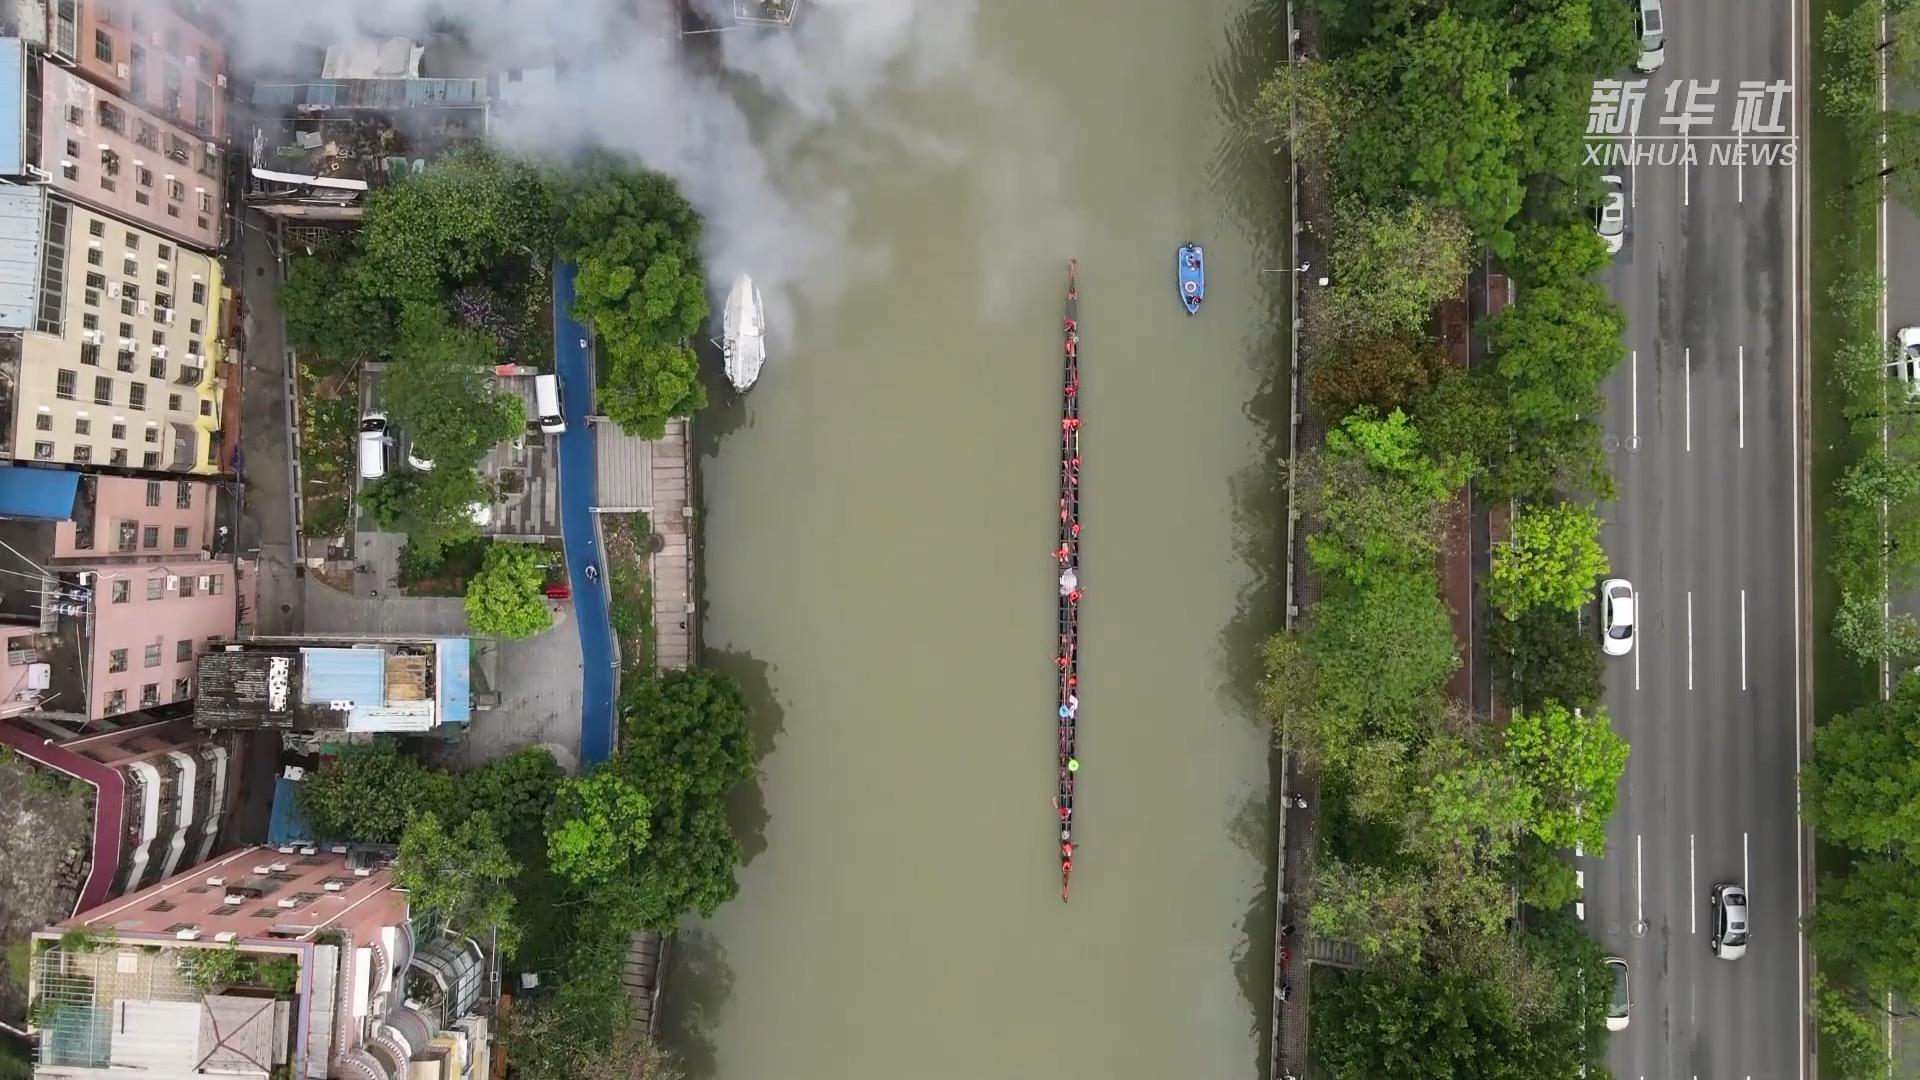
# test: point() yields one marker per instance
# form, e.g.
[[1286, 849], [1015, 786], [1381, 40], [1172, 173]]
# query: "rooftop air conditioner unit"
[[173, 585], [120, 70], [235, 898], [91, 337], [362, 871], [214, 147], [309, 851], [334, 886], [226, 937], [94, 244], [189, 934], [113, 288], [261, 869], [160, 351], [166, 316], [338, 849], [279, 868], [285, 849], [287, 902], [216, 881], [220, 81], [146, 308]]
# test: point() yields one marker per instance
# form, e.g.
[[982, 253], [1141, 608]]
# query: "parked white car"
[[1616, 616], [1904, 367]]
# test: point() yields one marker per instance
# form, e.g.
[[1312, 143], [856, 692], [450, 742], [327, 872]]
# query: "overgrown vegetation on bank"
[[1441, 134], [562, 871]]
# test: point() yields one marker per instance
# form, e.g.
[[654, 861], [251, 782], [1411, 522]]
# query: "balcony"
[[190, 376], [186, 448]]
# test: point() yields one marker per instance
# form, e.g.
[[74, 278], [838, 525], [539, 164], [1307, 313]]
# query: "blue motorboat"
[[1193, 277]]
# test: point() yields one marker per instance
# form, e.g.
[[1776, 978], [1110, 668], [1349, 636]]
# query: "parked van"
[[546, 402], [373, 446]]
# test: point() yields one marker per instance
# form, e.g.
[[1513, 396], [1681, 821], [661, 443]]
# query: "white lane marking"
[[1639, 885], [1746, 868], [1743, 639], [1741, 406], [1688, 356], [1689, 639], [1740, 184], [1636, 669], [1634, 393], [1693, 909], [1800, 272]]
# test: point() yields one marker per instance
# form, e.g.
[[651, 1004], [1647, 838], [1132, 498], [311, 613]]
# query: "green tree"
[[1441, 122], [1379, 658], [1443, 1025], [335, 315], [1861, 781], [453, 222], [506, 598], [440, 389], [567, 1036], [1462, 417], [1382, 372], [1863, 628], [1552, 559], [435, 509], [1366, 522], [1852, 1046], [1546, 879], [463, 876], [1540, 461], [1573, 762], [367, 791], [1543, 655], [1868, 920], [597, 828], [514, 789], [1555, 253], [645, 385], [1306, 100], [684, 746], [1553, 347], [1395, 263]]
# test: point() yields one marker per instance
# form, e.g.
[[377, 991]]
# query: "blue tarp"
[[356, 675], [13, 105], [453, 683], [577, 471], [286, 826], [39, 494]]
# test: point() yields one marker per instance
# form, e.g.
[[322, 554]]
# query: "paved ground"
[[671, 568], [1703, 424], [264, 434]]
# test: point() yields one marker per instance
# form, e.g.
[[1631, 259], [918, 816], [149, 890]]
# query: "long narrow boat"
[[1068, 556]]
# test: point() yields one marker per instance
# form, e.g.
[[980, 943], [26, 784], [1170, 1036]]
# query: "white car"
[[415, 460], [1905, 365], [1620, 1004], [1653, 37], [1616, 616], [1613, 215]]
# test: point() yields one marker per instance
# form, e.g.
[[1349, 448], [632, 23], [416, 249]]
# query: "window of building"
[[117, 456], [173, 402], [69, 170], [162, 277], [95, 257], [199, 294], [96, 227], [96, 281], [107, 184], [119, 431], [172, 210], [126, 330], [150, 536], [103, 46], [131, 268], [143, 176], [159, 337], [117, 660], [193, 327], [153, 655], [127, 305], [156, 367], [137, 396], [156, 588], [216, 585], [193, 345], [82, 454], [43, 451], [153, 493], [103, 389], [183, 650], [180, 541], [43, 421], [126, 535], [186, 584], [183, 495], [63, 384], [153, 432], [76, 116], [89, 354], [149, 695], [82, 426], [122, 591], [142, 198], [164, 251], [163, 300], [89, 321], [175, 191], [116, 702], [183, 689], [151, 459], [126, 361], [206, 407]]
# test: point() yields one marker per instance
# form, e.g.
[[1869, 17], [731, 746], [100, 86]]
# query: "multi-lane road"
[[1704, 427]]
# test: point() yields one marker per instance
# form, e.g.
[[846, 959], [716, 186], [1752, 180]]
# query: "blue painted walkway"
[[578, 471]]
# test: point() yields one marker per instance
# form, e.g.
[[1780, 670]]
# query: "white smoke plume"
[[761, 126]]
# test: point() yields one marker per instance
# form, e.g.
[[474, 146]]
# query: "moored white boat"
[[743, 333]]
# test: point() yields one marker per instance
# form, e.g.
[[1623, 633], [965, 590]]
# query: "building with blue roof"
[[394, 686]]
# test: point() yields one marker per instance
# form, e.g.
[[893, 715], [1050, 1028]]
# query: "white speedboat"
[[743, 330]]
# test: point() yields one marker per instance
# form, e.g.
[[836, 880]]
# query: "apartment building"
[[115, 592], [95, 148], [146, 53], [119, 364], [324, 985]]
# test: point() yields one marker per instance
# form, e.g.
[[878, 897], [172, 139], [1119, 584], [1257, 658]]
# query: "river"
[[877, 517]]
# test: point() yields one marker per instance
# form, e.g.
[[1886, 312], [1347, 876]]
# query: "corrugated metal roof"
[[37, 494], [13, 105], [23, 218], [453, 679], [373, 93], [356, 675]]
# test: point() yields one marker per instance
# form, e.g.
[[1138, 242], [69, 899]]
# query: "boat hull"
[[1191, 266], [743, 339]]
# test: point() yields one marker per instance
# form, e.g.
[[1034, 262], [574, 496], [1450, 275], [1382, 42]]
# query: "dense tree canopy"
[[369, 791], [1545, 655], [597, 828], [1572, 762], [1553, 346], [506, 598], [462, 875], [439, 388], [1395, 263], [1381, 372], [451, 223], [1862, 781], [335, 314], [434, 509], [1552, 558]]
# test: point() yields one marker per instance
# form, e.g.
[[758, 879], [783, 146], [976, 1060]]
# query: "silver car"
[[1612, 223], [1652, 26], [1620, 1005], [1730, 931], [1616, 616]]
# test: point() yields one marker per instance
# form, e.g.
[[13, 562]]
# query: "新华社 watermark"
[[1688, 120]]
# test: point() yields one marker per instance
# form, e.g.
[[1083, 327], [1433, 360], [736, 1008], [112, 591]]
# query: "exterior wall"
[[161, 176], [154, 641], [361, 907], [104, 338], [125, 509], [154, 58]]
